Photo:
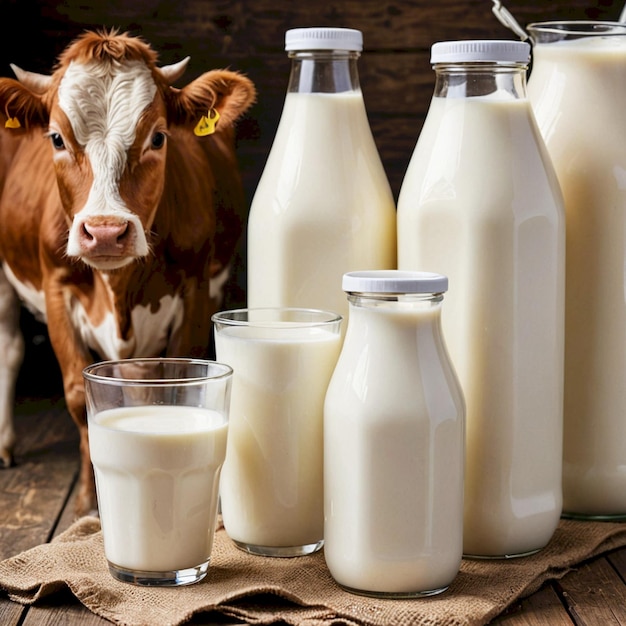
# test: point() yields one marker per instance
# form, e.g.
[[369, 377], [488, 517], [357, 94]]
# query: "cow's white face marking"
[[103, 103]]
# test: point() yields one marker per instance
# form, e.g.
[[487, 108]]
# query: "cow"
[[121, 202]]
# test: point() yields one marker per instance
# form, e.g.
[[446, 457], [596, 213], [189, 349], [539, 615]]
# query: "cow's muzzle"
[[106, 242]]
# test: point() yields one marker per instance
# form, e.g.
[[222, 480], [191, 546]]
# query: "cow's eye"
[[57, 141], [158, 140]]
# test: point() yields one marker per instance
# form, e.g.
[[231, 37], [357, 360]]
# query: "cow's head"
[[107, 110]]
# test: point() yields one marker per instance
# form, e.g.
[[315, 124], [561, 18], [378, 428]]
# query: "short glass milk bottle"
[[394, 442], [323, 205], [481, 203]]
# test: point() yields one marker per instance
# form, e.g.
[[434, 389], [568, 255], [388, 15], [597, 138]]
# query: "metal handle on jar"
[[506, 18]]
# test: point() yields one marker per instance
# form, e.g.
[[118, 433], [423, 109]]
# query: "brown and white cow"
[[115, 214]]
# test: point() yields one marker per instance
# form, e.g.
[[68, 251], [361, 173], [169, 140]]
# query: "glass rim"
[[229, 318], [579, 27], [91, 375]]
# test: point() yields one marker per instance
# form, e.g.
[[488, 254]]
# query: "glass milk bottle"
[[323, 205], [578, 91], [393, 442], [480, 203]]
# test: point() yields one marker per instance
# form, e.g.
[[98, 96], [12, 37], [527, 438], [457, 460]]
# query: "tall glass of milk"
[[323, 205], [394, 442], [481, 203], [157, 437], [271, 488], [578, 91]]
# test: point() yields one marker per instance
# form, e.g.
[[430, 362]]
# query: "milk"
[[271, 487], [323, 205], [578, 91], [480, 203], [157, 472], [393, 433]]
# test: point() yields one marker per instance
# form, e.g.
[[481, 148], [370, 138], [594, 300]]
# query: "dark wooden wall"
[[248, 35]]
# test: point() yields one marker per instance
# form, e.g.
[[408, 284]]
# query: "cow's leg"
[[72, 358], [74, 390], [86, 502], [11, 356]]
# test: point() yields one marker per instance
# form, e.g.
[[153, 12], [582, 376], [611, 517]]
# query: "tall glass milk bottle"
[[578, 91], [394, 442], [323, 205], [481, 203]]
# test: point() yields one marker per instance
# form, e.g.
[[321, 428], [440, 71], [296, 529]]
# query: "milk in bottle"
[[323, 205], [578, 91], [393, 442], [480, 203]]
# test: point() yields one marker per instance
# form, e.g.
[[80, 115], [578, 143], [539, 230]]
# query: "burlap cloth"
[[299, 591]]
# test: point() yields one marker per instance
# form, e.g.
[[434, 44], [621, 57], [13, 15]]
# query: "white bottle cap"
[[493, 50], [394, 281], [324, 39]]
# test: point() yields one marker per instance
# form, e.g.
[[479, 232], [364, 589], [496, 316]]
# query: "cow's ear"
[[229, 93], [20, 107]]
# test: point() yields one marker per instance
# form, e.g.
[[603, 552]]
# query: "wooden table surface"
[[36, 503]]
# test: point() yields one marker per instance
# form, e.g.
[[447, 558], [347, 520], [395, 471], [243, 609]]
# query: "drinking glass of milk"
[[157, 437], [272, 484]]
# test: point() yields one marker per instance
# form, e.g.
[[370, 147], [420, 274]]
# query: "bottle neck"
[[466, 80], [329, 71], [421, 301], [393, 314]]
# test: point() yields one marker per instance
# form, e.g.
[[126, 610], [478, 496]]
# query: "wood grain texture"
[[63, 610], [618, 562], [594, 594], [11, 613], [248, 36], [35, 490], [397, 80], [543, 607]]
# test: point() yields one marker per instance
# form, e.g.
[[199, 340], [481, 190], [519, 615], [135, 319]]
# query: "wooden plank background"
[[248, 35]]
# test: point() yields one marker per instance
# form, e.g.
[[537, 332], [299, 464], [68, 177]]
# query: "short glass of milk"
[[157, 436], [272, 484]]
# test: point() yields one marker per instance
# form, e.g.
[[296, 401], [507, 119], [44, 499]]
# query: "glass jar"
[[481, 203], [578, 91], [393, 442], [323, 205]]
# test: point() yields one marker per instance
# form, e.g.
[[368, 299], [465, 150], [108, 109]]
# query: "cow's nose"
[[103, 237]]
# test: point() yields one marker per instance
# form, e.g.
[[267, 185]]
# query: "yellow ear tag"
[[12, 122], [207, 124]]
